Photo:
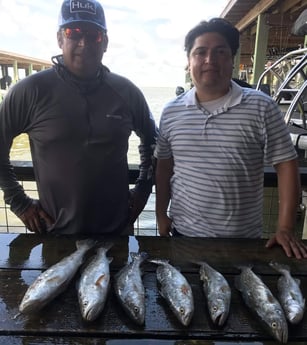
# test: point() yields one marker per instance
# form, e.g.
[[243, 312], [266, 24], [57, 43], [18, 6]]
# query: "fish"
[[129, 288], [94, 284], [260, 300], [54, 280], [289, 293], [176, 290], [217, 292]]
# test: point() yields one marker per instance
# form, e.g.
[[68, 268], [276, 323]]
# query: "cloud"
[[145, 37]]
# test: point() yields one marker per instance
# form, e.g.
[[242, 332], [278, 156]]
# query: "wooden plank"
[[24, 172], [37, 340], [28, 251], [261, 7], [22, 255]]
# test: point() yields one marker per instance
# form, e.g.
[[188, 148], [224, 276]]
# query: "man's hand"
[[137, 202], [35, 218], [165, 226], [291, 245]]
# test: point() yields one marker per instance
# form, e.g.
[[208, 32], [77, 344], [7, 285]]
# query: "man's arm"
[[289, 193], [11, 125], [164, 172]]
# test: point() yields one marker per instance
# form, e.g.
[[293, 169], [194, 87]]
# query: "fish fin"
[[100, 279], [161, 293], [144, 255], [159, 261], [110, 259], [298, 282]]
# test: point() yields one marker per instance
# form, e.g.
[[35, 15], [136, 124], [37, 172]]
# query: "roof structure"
[[280, 16], [8, 59]]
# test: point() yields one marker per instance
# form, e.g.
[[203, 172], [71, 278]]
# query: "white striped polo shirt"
[[217, 185]]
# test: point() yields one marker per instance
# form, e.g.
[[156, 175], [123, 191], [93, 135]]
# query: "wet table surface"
[[24, 256]]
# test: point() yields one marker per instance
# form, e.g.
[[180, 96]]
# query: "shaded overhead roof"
[[280, 16], [8, 58]]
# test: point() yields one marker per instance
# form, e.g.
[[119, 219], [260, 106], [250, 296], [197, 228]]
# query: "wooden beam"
[[228, 8], [253, 14], [292, 5]]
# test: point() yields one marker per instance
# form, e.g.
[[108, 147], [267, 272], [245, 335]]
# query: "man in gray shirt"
[[79, 117]]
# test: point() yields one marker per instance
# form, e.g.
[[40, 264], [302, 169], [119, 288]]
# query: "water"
[[156, 98]]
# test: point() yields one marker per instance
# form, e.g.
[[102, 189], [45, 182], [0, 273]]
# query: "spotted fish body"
[[289, 294], [54, 280], [176, 290], [259, 299], [130, 290], [94, 284], [217, 292]]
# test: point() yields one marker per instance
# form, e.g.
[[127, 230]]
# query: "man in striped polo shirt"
[[214, 141]]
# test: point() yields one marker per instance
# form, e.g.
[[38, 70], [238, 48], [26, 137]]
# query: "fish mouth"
[[295, 317], [91, 314], [282, 336], [187, 319], [139, 320], [219, 318]]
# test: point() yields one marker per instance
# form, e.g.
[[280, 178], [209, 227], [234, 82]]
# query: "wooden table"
[[23, 257]]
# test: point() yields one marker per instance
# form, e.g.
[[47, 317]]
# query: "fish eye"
[[214, 308], [136, 309], [181, 310], [274, 324]]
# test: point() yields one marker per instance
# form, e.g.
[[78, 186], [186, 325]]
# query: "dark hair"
[[219, 25]]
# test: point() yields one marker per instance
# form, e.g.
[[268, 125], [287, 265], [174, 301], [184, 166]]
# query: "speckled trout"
[[54, 280], [260, 299], [176, 290], [289, 293], [94, 284], [217, 292], [129, 288]]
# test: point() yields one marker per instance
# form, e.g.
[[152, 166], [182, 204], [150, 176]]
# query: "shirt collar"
[[235, 96]]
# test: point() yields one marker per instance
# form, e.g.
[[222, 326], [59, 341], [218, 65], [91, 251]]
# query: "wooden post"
[[261, 43]]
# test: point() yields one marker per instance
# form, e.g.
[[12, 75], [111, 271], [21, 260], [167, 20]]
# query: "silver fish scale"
[[217, 292], [94, 284], [176, 290], [260, 299], [130, 290], [54, 280], [289, 294]]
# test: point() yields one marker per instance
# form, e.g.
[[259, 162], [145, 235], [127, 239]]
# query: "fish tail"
[[281, 268], [108, 245], [243, 267], [87, 243], [142, 256], [104, 247]]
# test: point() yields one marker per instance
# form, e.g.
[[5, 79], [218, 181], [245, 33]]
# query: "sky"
[[145, 36]]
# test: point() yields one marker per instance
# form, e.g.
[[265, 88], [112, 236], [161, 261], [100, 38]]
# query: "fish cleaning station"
[[23, 257], [41, 296]]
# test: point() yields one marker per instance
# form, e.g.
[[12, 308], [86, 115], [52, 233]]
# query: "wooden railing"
[[146, 224]]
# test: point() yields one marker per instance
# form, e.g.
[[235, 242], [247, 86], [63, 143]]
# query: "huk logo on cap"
[[82, 6]]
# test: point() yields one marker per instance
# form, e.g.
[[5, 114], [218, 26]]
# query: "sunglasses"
[[76, 34]]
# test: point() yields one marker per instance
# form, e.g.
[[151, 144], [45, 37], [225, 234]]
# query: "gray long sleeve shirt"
[[78, 136]]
